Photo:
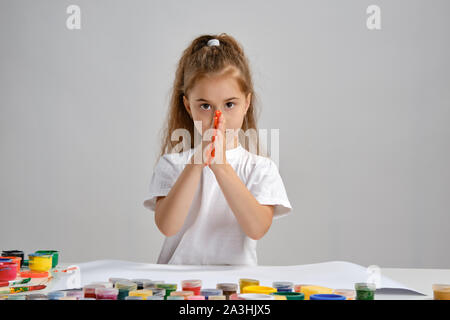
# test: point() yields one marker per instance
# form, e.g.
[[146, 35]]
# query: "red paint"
[[30, 274], [16, 260], [106, 293], [195, 290], [192, 285], [8, 271]]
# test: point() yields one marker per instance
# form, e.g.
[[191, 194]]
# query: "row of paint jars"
[[38, 261]]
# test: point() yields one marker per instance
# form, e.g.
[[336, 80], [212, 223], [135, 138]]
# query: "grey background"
[[363, 118]]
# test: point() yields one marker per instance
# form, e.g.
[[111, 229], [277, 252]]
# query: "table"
[[417, 281], [420, 280]]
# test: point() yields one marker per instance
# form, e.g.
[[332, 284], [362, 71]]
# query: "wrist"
[[221, 168], [192, 164]]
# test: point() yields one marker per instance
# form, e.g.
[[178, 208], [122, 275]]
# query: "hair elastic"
[[213, 42]]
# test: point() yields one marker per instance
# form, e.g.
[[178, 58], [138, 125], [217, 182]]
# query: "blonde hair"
[[199, 60]]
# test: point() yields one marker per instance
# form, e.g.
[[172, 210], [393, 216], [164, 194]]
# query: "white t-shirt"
[[211, 234]]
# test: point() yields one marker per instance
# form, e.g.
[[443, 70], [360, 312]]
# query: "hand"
[[218, 152], [206, 154]]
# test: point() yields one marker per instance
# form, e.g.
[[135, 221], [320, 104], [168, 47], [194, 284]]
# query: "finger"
[[221, 123], [219, 147], [212, 122], [207, 153]]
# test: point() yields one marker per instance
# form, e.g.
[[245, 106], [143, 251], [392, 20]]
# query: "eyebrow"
[[232, 98]]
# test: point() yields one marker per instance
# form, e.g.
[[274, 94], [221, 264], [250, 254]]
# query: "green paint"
[[123, 293], [365, 294], [365, 291], [53, 253], [291, 295]]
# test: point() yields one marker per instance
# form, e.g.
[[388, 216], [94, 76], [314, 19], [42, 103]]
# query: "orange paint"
[[216, 123]]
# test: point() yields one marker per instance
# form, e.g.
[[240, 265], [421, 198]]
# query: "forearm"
[[255, 219], [171, 211]]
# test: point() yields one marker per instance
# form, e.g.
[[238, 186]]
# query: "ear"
[[186, 105]]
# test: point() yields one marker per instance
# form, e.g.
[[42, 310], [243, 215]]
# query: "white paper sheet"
[[334, 274]]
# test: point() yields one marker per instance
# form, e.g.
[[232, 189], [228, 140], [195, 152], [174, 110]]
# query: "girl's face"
[[217, 93]]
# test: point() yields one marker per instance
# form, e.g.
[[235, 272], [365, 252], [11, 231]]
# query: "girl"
[[213, 206]]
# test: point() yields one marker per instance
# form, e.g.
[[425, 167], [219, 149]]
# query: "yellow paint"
[[247, 282], [277, 297], [441, 291], [144, 293], [40, 263], [309, 290], [259, 289]]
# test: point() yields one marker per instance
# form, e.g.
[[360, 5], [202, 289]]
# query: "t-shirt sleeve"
[[164, 176], [266, 185]]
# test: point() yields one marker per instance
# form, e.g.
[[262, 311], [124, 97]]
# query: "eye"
[[228, 105], [207, 106]]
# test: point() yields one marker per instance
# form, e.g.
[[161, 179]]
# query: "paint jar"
[[235, 296], [36, 296], [259, 289], [277, 297], [124, 288], [104, 284], [56, 295], [247, 282], [290, 295], [298, 287], [155, 298], [159, 292], [192, 285], [39, 262], [8, 270], [220, 297], [441, 291], [140, 282], [33, 275], [151, 284], [134, 298], [326, 297], [174, 298], [74, 293], [365, 291], [183, 294], [144, 293], [227, 288], [17, 297], [14, 253], [347, 293], [256, 296], [283, 286], [114, 280], [168, 286], [309, 290], [211, 292], [53, 253], [89, 290], [196, 297], [106, 293], [17, 260]]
